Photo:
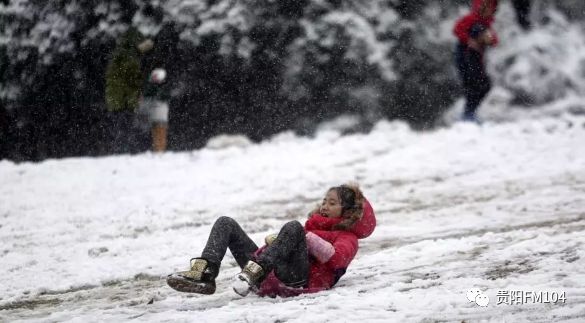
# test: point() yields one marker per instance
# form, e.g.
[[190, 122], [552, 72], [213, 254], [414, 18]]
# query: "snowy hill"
[[497, 208]]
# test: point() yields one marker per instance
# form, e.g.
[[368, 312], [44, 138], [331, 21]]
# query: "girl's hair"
[[352, 201]]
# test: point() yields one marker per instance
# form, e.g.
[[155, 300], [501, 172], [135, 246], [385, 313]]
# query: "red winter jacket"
[[324, 276], [464, 24]]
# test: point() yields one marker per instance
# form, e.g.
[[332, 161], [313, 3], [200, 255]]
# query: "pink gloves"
[[319, 248]]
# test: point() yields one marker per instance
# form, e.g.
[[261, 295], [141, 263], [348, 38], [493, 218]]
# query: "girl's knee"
[[224, 220], [294, 226]]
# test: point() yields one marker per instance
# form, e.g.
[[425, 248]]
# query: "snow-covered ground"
[[499, 208]]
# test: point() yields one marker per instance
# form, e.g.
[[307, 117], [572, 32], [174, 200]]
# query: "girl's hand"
[[320, 248], [474, 44]]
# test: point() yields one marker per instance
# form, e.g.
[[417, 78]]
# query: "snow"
[[497, 207], [544, 64]]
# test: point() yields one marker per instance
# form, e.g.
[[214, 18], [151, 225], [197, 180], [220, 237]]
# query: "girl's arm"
[[346, 246]]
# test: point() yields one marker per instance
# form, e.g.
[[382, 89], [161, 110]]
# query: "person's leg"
[[477, 85], [475, 95], [471, 104], [522, 8], [288, 256], [460, 61], [463, 67], [227, 233]]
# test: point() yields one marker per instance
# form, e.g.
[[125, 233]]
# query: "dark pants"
[[522, 12], [476, 83], [287, 255]]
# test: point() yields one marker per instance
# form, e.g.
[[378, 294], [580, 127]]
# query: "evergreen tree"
[[241, 66]]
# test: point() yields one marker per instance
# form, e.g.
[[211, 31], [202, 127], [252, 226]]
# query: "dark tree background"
[[235, 66]]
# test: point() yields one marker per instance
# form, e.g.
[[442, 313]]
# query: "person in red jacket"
[[474, 32], [298, 260]]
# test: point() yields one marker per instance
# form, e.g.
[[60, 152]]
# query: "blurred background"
[[261, 67]]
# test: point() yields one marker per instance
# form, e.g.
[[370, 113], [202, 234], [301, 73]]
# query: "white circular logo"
[[472, 293], [482, 300]]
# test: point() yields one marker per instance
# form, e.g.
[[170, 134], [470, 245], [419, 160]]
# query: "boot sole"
[[185, 285], [242, 291]]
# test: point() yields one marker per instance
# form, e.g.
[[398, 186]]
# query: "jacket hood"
[[477, 4], [366, 225]]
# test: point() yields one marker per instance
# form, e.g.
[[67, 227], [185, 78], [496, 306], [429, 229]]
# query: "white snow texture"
[[495, 208]]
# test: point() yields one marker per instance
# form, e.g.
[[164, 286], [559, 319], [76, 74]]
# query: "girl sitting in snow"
[[298, 260]]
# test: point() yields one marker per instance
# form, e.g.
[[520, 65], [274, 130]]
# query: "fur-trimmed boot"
[[200, 279], [249, 279]]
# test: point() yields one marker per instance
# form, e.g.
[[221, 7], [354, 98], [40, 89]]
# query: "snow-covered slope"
[[497, 208]]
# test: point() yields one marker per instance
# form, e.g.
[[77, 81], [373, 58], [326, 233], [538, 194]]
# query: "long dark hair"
[[352, 201]]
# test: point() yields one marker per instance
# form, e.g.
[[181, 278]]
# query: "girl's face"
[[331, 206]]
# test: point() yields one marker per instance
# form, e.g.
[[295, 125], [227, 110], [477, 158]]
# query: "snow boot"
[[470, 117], [200, 279], [249, 279]]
